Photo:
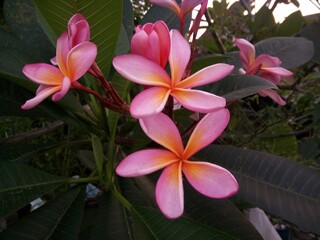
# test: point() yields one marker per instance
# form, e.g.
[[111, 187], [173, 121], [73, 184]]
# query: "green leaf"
[[98, 153], [235, 87], [110, 220], [291, 25], [263, 23], [159, 227], [104, 18], [128, 18], [21, 17], [211, 211], [60, 218], [20, 184], [292, 51], [312, 32], [279, 186]]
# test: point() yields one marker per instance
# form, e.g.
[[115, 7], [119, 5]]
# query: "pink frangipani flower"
[[151, 101], [209, 179], [264, 66], [78, 32], [152, 41], [72, 64]]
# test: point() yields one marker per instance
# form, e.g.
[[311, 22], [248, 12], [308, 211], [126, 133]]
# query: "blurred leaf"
[[21, 17], [309, 148], [292, 51], [128, 18], [20, 184], [291, 25], [235, 87], [60, 218], [277, 185], [162, 228], [263, 24], [312, 32], [110, 220], [206, 61], [104, 18], [123, 44], [211, 211], [98, 153]]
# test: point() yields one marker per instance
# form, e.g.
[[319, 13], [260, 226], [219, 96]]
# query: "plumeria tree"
[[140, 133]]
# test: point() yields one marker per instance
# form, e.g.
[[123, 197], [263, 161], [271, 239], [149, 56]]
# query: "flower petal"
[[66, 83], [179, 56], [41, 95], [139, 43], [80, 59], [207, 75], [171, 4], [144, 162], [169, 191], [62, 50], [154, 50], [282, 72], [273, 95], [198, 101], [188, 5], [78, 29], [208, 129], [266, 60], [247, 52], [161, 129], [209, 179], [141, 70], [43, 73], [149, 102], [163, 32]]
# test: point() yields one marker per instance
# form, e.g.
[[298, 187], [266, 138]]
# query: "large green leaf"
[[312, 32], [279, 186], [104, 18], [292, 51], [60, 218], [110, 221], [21, 17], [235, 87], [162, 228], [21, 184], [291, 25]]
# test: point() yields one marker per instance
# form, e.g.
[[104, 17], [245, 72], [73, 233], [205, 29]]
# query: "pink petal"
[[198, 101], [43, 73], [274, 78], [282, 72], [66, 83], [208, 129], [267, 61], [163, 32], [273, 95], [141, 70], [169, 191], [80, 59], [76, 18], [54, 61], [144, 162], [149, 102], [188, 5], [161, 129], [62, 51], [139, 43], [209, 179], [171, 4], [247, 51], [41, 95], [179, 56], [206, 75], [78, 33], [154, 50]]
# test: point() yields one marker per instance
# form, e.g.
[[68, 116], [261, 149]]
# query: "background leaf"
[[235, 87], [277, 185], [312, 32], [21, 184], [60, 218]]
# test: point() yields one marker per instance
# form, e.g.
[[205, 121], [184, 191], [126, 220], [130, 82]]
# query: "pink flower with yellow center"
[[72, 64], [151, 101], [264, 66], [209, 179], [152, 41]]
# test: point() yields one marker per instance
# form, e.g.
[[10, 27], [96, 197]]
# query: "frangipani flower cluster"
[[264, 66]]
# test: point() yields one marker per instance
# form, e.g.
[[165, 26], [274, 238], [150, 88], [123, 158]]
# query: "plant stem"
[[84, 180], [121, 198]]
